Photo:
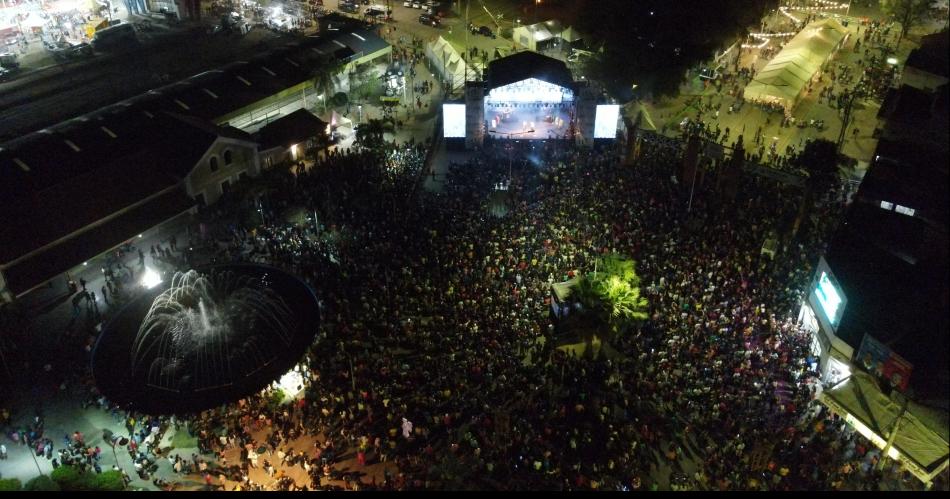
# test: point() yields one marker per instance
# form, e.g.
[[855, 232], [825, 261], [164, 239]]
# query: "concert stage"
[[528, 120]]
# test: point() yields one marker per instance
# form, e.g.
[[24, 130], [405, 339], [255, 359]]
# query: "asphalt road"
[[60, 92], [63, 91]]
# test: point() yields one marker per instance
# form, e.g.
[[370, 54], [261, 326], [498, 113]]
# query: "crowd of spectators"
[[436, 358]]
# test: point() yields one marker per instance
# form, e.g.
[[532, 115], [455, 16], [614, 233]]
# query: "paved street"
[[43, 95], [59, 327], [668, 113]]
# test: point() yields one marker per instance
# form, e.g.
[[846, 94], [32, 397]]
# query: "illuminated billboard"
[[830, 298], [605, 121], [453, 120]]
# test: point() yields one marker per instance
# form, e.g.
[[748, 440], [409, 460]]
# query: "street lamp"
[[360, 108]]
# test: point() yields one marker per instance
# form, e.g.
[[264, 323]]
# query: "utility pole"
[[847, 121], [893, 435]]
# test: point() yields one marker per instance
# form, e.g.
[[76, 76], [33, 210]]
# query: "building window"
[[227, 157], [213, 163], [225, 187], [903, 210], [242, 175], [887, 206]]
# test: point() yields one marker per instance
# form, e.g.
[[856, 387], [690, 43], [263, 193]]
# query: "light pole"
[[37, 463], [692, 188], [360, 108]]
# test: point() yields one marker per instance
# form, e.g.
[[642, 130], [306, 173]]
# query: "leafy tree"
[[653, 42], [69, 478], [339, 99], [10, 485], [108, 481], [611, 295], [819, 159], [41, 483], [908, 13], [323, 74], [369, 135]]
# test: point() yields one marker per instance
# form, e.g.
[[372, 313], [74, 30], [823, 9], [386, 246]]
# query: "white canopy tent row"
[[447, 62], [920, 441], [783, 80], [537, 36]]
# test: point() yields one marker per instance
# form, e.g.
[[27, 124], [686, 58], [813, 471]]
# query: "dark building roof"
[[215, 94], [524, 65], [917, 116], [64, 180], [298, 126], [893, 267], [337, 21], [910, 175], [932, 55], [47, 264], [903, 305]]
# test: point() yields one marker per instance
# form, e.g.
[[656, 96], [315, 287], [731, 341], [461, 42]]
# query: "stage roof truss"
[[531, 90]]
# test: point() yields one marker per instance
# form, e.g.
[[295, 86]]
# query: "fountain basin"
[[205, 338]]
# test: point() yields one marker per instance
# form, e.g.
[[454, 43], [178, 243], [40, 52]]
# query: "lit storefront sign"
[[837, 371]]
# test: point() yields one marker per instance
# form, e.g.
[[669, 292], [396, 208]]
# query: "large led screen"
[[605, 121], [453, 120], [830, 297]]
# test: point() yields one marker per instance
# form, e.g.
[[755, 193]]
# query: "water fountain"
[[203, 338]]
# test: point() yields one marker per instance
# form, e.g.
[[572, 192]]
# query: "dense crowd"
[[436, 355]]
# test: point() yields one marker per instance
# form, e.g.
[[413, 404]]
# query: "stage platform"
[[528, 121]]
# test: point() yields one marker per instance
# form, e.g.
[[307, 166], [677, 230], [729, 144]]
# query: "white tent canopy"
[[529, 36], [447, 61], [784, 78], [921, 439]]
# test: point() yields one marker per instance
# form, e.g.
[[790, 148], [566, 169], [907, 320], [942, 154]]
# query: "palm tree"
[[611, 297], [323, 75], [369, 135]]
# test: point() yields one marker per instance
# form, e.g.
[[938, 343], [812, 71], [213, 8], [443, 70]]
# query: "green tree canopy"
[[908, 13], [10, 484], [339, 99], [323, 74], [109, 481], [41, 483], [611, 294], [820, 159], [369, 135], [69, 478], [653, 42]]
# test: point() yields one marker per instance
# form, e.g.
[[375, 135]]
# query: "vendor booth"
[[913, 434], [447, 62], [784, 79]]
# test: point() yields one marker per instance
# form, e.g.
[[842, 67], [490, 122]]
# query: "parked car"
[[5, 74], [71, 52], [9, 61], [350, 7], [485, 31], [407, 3], [429, 20], [416, 5]]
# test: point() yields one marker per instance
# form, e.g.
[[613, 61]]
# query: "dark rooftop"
[[932, 55], [63, 180], [524, 65], [296, 127], [893, 266]]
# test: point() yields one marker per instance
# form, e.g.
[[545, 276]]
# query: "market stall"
[[783, 80], [920, 439]]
